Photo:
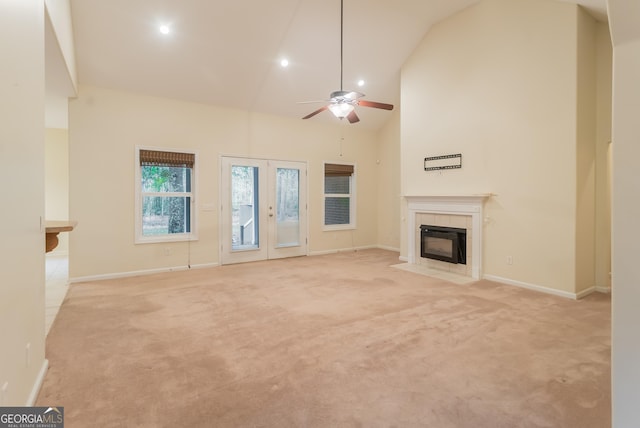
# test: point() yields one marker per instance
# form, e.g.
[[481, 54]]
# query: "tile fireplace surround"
[[470, 206]]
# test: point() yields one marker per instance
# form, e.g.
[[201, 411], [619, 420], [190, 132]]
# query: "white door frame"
[[266, 197]]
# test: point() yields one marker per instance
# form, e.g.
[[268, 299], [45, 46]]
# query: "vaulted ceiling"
[[228, 52]]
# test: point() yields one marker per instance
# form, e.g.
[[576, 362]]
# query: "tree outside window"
[[166, 193]]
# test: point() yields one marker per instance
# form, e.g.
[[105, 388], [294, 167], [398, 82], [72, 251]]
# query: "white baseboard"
[[138, 273], [534, 287], [341, 250], [38, 384], [206, 265], [404, 259], [596, 289], [323, 252], [586, 292]]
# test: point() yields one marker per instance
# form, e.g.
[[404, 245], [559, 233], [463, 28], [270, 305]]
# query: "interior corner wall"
[[59, 12], [604, 53], [626, 235], [586, 152], [497, 83], [106, 125], [625, 317], [57, 181], [22, 95], [388, 176]]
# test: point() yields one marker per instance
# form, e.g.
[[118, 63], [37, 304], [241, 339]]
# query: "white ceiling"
[[228, 52]]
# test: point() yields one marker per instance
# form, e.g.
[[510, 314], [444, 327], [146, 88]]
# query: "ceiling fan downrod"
[[342, 103], [341, 40]]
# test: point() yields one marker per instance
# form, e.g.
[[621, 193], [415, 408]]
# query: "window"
[[339, 196], [164, 196]]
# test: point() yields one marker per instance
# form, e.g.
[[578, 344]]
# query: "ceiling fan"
[[342, 103]]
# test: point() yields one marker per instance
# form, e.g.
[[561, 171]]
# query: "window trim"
[[351, 196], [139, 238]]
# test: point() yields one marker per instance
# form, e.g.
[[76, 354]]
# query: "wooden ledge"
[[52, 228]]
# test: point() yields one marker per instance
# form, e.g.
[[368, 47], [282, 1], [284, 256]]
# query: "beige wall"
[[56, 193], [388, 175], [105, 127], [22, 174], [603, 157], [498, 83], [586, 152], [625, 353]]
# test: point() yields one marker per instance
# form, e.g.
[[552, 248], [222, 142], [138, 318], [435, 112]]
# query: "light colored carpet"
[[341, 340], [435, 273]]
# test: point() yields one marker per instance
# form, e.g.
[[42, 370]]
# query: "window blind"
[[337, 170], [160, 158]]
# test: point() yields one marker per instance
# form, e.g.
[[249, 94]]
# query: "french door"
[[263, 209]]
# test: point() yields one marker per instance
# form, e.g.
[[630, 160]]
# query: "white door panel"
[[287, 209], [263, 209]]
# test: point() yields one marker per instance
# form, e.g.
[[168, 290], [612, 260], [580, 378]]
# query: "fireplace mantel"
[[466, 205], [478, 198]]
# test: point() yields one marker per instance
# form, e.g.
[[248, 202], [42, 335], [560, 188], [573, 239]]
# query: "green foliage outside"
[[165, 214]]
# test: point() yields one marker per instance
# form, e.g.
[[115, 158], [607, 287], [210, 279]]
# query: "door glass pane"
[[244, 208], [287, 207]]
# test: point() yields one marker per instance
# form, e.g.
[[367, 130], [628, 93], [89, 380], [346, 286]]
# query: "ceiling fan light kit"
[[342, 103], [341, 110]]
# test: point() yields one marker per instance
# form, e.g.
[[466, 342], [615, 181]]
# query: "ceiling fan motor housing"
[[345, 96]]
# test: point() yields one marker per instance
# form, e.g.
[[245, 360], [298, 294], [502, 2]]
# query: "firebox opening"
[[447, 244]]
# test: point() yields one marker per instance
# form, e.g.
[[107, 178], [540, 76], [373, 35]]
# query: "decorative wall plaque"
[[435, 163]]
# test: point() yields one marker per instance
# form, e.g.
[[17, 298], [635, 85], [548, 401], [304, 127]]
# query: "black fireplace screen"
[[448, 244]]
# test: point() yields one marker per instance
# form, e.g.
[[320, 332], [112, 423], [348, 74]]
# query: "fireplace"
[[461, 211], [447, 244]]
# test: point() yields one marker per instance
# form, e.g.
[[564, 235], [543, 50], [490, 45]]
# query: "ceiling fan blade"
[[353, 117], [320, 110], [374, 104]]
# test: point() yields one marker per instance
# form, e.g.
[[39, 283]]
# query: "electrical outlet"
[[167, 251], [4, 395], [509, 260]]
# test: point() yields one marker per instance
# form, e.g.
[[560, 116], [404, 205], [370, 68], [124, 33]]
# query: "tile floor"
[[56, 285]]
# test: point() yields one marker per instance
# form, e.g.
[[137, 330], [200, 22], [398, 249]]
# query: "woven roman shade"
[[337, 170], [159, 158]]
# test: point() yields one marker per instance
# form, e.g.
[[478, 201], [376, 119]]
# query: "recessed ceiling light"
[[360, 82], [164, 29], [284, 62]]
